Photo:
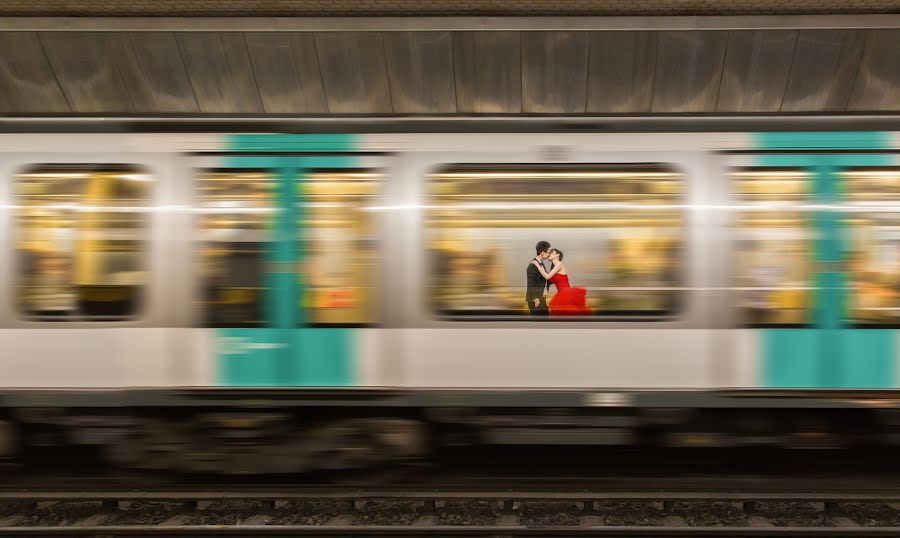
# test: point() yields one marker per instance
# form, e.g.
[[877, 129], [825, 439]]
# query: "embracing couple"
[[568, 301]]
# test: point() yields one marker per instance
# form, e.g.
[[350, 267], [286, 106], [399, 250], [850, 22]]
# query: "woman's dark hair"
[[556, 250], [542, 246]]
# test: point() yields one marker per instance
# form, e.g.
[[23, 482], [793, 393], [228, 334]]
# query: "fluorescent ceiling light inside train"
[[557, 175], [537, 205]]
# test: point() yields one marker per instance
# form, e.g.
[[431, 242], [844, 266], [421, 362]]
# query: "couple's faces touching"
[[551, 255]]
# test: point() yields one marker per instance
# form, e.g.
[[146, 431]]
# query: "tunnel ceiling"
[[64, 73], [255, 8]]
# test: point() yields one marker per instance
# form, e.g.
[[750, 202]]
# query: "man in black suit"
[[537, 284]]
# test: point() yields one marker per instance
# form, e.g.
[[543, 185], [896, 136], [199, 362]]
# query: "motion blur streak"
[[283, 274]]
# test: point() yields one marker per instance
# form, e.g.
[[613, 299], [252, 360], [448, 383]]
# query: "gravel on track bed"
[[388, 513], [871, 514], [457, 512], [64, 513], [711, 514], [13, 507], [481, 513], [144, 513], [224, 513], [792, 514], [307, 512], [621, 513], [549, 513]]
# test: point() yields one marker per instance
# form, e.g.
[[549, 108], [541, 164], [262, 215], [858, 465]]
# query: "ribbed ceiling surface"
[[319, 8], [450, 72]]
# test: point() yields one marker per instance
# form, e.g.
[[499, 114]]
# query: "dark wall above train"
[[295, 8], [460, 67]]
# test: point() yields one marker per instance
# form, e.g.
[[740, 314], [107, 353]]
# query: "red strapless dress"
[[568, 301]]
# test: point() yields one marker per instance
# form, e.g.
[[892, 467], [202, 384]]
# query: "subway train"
[[252, 302]]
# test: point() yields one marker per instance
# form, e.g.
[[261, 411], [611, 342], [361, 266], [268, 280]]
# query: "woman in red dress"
[[568, 301]]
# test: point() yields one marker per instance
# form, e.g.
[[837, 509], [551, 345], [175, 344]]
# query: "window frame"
[[142, 310], [199, 308], [377, 233], [741, 313], [848, 321], [198, 282], [683, 298]]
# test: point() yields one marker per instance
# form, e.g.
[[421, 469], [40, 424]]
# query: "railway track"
[[437, 532], [373, 512]]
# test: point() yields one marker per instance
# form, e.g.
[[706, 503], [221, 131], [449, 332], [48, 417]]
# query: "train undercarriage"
[[291, 439]]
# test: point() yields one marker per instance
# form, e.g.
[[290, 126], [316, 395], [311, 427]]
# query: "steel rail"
[[439, 531], [365, 494]]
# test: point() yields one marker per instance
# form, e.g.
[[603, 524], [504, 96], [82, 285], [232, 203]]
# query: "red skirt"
[[570, 302]]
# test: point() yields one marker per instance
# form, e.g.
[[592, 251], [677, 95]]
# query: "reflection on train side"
[[620, 227], [80, 236]]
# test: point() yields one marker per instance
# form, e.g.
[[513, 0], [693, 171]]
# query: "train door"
[[288, 258], [814, 210]]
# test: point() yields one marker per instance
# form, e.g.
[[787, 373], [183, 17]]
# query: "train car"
[[202, 301]]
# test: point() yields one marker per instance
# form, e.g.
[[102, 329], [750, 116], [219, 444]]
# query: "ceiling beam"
[[399, 24]]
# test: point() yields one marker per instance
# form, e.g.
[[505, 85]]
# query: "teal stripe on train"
[[248, 357], [829, 354], [293, 143], [285, 352]]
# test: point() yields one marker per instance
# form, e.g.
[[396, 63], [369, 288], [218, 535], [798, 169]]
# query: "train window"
[[236, 212], [774, 246], [341, 255], [81, 241], [620, 228], [873, 216]]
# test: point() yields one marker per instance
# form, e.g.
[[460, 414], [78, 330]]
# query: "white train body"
[[705, 345]]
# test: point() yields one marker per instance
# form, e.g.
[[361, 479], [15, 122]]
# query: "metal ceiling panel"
[[488, 72], [546, 71], [420, 67], [219, 68], [151, 66], [757, 64], [823, 71], [554, 72], [85, 68], [354, 72], [27, 83], [688, 71], [621, 68], [287, 72], [878, 82]]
